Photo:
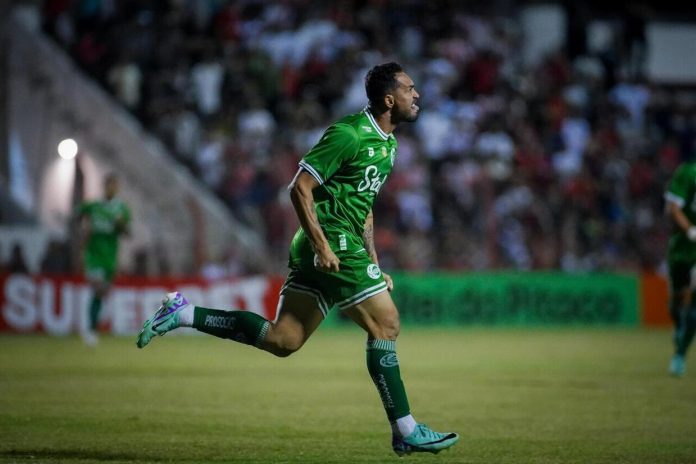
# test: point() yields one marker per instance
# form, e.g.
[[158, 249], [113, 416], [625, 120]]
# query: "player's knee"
[[389, 328], [287, 345], [394, 329], [282, 352]]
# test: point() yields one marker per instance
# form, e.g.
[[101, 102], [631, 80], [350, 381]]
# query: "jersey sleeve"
[[338, 144], [126, 214], [83, 209], [678, 188]]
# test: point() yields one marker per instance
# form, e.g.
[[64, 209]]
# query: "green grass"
[[515, 396]]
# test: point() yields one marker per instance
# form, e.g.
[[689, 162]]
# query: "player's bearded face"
[[111, 188], [405, 100]]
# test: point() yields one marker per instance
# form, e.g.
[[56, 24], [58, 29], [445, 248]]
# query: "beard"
[[405, 115]]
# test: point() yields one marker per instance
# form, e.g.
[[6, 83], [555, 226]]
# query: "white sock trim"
[[406, 425], [186, 316]]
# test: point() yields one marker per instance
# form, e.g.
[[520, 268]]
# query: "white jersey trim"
[[321, 303], [304, 165], [371, 118], [679, 201], [362, 296]]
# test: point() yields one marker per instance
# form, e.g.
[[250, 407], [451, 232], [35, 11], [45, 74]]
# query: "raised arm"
[[303, 202], [681, 220], [123, 225], [369, 240]]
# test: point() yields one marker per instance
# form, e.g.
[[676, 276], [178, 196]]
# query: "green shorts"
[[681, 274], [95, 273], [357, 280]]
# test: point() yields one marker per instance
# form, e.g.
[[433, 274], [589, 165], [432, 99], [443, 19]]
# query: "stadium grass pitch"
[[515, 396]]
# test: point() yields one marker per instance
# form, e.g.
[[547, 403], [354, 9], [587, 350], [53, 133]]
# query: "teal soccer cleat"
[[423, 440], [678, 366], [165, 319]]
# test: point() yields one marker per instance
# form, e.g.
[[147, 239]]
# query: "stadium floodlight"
[[67, 149]]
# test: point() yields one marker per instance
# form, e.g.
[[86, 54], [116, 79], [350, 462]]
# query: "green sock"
[[94, 310], [687, 335], [240, 326], [384, 370], [678, 319]]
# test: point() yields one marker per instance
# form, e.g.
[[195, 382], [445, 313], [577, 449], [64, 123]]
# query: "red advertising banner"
[[58, 305]]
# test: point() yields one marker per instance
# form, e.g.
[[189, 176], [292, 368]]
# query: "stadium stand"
[[180, 223], [556, 164]]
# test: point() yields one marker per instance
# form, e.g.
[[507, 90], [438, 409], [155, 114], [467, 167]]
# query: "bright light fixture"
[[67, 149]]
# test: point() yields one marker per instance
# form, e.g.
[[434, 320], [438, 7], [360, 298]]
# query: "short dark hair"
[[111, 177], [380, 80]]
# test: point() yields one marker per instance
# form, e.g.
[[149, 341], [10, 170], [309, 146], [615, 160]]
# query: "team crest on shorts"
[[373, 271]]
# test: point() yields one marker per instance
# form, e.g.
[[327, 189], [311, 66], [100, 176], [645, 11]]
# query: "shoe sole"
[[417, 449], [420, 450]]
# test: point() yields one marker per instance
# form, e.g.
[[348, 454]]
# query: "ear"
[[389, 101]]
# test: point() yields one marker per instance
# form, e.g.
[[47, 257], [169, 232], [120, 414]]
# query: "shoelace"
[[425, 431], [167, 303]]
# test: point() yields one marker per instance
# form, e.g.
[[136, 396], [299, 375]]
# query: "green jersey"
[[682, 191], [107, 220], [351, 162]]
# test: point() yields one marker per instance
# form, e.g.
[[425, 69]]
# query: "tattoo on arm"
[[369, 238]]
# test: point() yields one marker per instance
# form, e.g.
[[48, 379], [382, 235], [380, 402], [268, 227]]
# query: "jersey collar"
[[371, 118]]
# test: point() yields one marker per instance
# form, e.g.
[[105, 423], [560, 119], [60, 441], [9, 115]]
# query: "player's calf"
[[241, 326]]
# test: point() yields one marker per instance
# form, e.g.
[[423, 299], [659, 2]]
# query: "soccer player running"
[[332, 256], [102, 224], [681, 257]]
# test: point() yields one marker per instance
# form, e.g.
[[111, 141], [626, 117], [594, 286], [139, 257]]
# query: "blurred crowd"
[[560, 165]]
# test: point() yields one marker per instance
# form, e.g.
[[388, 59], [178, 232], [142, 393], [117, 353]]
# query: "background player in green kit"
[[333, 262], [681, 257], [103, 222]]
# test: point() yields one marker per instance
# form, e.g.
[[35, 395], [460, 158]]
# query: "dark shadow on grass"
[[65, 454]]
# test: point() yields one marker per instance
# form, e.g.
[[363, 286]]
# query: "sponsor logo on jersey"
[[103, 224], [367, 128], [373, 271], [372, 180], [393, 155], [389, 360], [384, 152]]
